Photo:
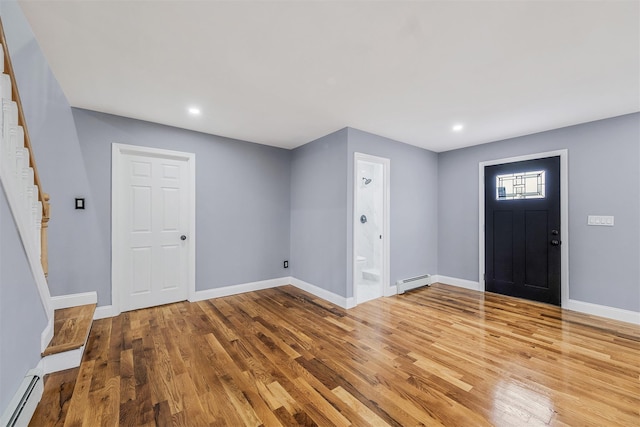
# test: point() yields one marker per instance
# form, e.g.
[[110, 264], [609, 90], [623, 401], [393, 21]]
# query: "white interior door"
[[154, 226]]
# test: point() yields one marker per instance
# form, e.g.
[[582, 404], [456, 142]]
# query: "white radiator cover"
[[405, 285], [24, 402]]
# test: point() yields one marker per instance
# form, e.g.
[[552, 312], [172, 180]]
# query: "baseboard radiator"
[[405, 285], [24, 402]]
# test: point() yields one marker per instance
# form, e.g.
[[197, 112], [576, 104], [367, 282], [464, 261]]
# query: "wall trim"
[[336, 299], [573, 305], [239, 289], [74, 300], [47, 334], [454, 281], [25, 233], [604, 311], [30, 405], [107, 311], [104, 312]]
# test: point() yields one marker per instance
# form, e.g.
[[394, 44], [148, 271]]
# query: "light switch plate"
[[602, 220]]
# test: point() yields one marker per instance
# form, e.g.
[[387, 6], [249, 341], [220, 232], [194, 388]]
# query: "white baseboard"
[[272, 283], [47, 335], [104, 312], [604, 311], [61, 361], [454, 281], [323, 293], [239, 289], [580, 306], [108, 310], [26, 232], [74, 300], [24, 409]]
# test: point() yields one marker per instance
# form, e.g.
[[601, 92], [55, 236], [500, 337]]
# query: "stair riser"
[[16, 161]]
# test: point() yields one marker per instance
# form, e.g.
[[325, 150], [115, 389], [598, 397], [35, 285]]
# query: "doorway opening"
[[153, 227], [370, 227], [523, 211]]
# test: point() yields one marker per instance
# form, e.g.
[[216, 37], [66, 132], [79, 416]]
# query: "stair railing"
[[36, 200], [19, 178]]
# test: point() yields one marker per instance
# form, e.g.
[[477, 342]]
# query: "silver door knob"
[[183, 237]]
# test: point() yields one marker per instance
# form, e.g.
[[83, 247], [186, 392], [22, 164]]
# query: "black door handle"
[[555, 242], [183, 237]]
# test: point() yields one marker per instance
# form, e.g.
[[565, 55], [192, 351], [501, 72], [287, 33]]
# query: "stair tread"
[[56, 398], [70, 328]]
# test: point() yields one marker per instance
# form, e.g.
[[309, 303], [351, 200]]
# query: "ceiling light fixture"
[[458, 127], [194, 111]]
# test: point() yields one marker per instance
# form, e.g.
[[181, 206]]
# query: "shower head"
[[367, 181]]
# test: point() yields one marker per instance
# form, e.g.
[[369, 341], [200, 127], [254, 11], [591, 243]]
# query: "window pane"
[[520, 185]]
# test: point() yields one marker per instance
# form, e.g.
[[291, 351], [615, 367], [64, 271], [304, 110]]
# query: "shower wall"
[[369, 203]]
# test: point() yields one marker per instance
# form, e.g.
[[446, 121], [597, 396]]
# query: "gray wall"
[[318, 212], [322, 208], [242, 197], [22, 316], [413, 200], [604, 179], [76, 261], [256, 215]]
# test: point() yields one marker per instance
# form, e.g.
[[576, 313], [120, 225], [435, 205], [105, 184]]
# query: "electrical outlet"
[[286, 264]]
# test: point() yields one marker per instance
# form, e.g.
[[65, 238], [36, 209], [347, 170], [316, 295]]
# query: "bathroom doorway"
[[370, 227]]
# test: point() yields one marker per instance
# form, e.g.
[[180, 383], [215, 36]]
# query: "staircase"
[[63, 340]]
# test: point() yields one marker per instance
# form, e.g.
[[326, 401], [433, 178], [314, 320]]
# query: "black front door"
[[522, 229]]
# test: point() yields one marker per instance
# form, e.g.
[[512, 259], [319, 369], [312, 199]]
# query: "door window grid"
[[520, 185]]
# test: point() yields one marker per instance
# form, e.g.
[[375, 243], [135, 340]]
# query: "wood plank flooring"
[[70, 328], [435, 356], [58, 389]]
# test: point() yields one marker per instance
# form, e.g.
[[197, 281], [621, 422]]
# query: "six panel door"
[[156, 221]]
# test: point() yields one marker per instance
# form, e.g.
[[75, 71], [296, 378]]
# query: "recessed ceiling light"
[[458, 127], [194, 111]]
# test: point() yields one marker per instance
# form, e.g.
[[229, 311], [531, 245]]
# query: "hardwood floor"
[[435, 356], [54, 404]]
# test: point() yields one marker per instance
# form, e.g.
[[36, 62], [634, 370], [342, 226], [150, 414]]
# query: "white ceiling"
[[284, 73]]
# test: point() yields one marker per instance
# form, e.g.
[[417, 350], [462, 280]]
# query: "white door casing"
[[153, 206]]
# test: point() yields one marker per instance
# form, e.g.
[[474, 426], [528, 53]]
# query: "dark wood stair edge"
[[81, 318]]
